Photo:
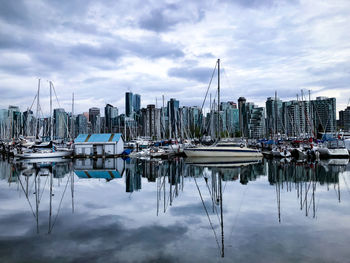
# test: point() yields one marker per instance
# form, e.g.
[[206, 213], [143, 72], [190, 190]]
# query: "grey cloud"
[[157, 21], [342, 82], [109, 52], [200, 74], [14, 11], [342, 68], [193, 209], [166, 17], [154, 47], [260, 3], [91, 239]]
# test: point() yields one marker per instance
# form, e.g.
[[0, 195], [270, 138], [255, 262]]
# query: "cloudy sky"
[[101, 49]]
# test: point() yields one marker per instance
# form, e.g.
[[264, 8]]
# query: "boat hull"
[[223, 161], [222, 152], [41, 155], [333, 153]]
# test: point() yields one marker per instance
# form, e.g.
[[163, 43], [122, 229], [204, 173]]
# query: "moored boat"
[[333, 149], [45, 154], [222, 150]]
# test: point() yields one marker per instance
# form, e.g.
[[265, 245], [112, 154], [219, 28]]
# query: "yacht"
[[45, 153], [223, 149], [333, 149], [223, 162]]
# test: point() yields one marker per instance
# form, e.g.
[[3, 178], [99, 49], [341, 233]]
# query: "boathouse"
[[98, 145]]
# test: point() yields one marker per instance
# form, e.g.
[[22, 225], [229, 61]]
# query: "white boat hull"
[[222, 152], [223, 161], [332, 153], [57, 154]]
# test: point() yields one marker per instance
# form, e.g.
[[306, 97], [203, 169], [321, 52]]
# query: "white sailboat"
[[45, 150], [222, 149]]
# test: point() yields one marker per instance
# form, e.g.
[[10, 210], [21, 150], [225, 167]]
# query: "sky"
[[101, 49]]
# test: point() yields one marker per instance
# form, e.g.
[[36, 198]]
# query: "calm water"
[[143, 211]]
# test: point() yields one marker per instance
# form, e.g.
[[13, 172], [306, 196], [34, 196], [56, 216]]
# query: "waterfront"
[[133, 210]]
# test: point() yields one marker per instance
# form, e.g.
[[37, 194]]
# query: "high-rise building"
[[297, 118], [173, 110], [151, 121], [81, 124], [344, 119], [230, 118], [256, 122], [128, 104], [274, 120], [28, 123], [95, 120], [324, 110], [15, 121], [60, 124], [136, 103], [253, 120], [4, 124], [111, 115], [241, 104]]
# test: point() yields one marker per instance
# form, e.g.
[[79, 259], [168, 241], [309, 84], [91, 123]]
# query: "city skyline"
[[169, 48]]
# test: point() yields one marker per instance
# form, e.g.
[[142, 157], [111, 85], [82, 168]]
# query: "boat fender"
[[241, 145]]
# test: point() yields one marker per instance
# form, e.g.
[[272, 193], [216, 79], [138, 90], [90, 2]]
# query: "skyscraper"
[[151, 121], [344, 119], [324, 114], [15, 121], [128, 104], [60, 124], [173, 109], [94, 118], [274, 116], [241, 105], [81, 124], [111, 114], [136, 103]]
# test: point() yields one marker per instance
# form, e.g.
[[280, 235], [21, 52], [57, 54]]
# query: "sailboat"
[[45, 150], [222, 149]]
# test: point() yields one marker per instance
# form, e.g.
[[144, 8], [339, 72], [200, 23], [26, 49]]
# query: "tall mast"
[[218, 98], [37, 110], [276, 116], [72, 118], [51, 115], [164, 133]]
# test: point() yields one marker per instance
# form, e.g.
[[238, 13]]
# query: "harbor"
[[175, 131]]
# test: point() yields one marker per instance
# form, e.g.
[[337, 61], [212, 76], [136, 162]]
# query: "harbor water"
[[116, 210]]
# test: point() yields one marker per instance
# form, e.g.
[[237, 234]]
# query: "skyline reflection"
[[142, 192]]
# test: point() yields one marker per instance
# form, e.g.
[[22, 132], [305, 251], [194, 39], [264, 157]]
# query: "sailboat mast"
[[72, 119], [51, 116], [218, 98], [221, 217], [37, 110]]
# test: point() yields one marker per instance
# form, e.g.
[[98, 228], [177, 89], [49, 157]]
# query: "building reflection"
[[304, 178], [168, 178], [37, 181], [99, 168]]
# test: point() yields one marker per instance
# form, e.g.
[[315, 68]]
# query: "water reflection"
[[47, 188]]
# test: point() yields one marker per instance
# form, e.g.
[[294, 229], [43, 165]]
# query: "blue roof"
[[98, 137], [112, 174], [81, 138]]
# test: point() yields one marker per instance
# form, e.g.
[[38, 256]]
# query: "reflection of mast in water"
[[305, 178], [37, 171], [174, 174], [216, 197]]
